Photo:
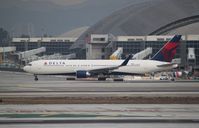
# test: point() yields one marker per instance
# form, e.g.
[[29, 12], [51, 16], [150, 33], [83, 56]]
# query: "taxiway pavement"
[[22, 85], [126, 115]]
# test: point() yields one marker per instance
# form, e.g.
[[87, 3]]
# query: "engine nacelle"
[[82, 74], [177, 74]]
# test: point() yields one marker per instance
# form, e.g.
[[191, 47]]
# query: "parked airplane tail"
[[168, 51]]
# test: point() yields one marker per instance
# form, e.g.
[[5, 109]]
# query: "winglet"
[[126, 60]]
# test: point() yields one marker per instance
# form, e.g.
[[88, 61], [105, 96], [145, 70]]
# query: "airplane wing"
[[109, 69]]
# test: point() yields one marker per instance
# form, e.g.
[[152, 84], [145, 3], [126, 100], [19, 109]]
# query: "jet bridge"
[[143, 54], [27, 54], [117, 54], [58, 56]]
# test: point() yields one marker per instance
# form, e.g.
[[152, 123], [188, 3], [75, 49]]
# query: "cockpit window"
[[29, 64]]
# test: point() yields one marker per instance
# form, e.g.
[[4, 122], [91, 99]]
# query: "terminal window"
[[98, 39]]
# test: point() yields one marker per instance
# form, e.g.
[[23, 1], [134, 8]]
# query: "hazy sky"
[[54, 17]]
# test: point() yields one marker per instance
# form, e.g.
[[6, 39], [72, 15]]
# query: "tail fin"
[[168, 51]]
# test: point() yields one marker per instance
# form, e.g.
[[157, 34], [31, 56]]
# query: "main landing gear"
[[101, 78], [36, 78]]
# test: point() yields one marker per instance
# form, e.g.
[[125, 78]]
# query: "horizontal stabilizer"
[[168, 65]]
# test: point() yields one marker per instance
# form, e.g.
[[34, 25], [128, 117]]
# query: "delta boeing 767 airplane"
[[102, 69]]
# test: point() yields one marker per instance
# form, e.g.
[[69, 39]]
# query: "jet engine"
[[82, 74]]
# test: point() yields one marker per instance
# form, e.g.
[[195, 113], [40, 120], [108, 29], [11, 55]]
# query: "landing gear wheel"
[[70, 78], [101, 78], [118, 79], [172, 79], [36, 78]]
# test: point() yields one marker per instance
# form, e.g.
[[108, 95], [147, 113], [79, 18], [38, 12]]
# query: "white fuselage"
[[45, 67]]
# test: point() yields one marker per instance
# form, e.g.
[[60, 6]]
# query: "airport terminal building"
[[52, 44]]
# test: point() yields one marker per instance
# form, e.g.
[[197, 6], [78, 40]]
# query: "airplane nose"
[[26, 68]]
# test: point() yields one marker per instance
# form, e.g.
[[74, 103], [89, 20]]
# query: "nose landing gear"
[[36, 78]]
